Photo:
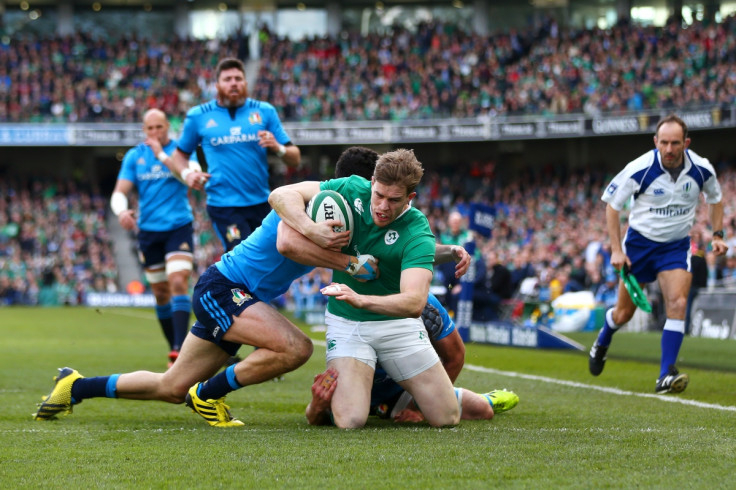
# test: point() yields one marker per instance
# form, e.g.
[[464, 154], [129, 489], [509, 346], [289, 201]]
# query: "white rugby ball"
[[328, 205]]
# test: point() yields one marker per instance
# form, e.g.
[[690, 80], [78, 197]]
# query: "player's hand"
[[409, 415], [266, 139], [323, 389], [196, 180], [323, 235], [619, 259], [462, 261], [342, 292], [155, 145], [719, 246], [363, 268], [127, 219]]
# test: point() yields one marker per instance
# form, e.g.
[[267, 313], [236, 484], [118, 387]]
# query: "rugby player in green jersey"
[[380, 320]]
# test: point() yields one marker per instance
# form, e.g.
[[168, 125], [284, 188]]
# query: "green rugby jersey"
[[406, 243]]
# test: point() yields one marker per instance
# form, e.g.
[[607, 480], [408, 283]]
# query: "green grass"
[[569, 430]]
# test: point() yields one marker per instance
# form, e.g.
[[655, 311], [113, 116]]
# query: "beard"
[[232, 99]]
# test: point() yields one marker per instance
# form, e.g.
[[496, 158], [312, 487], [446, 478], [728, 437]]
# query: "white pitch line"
[[605, 389], [575, 384]]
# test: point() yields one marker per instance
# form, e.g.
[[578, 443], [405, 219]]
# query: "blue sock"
[[219, 385], [609, 328], [181, 307], [165, 318], [672, 335], [95, 387]]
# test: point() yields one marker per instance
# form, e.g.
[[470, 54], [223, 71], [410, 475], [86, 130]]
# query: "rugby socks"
[[165, 318], [609, 328], [100, 386], [219, 385], [672, 335], [181, 306]]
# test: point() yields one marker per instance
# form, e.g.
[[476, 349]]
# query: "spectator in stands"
[[492, 286], [236, 134], [165, 242]]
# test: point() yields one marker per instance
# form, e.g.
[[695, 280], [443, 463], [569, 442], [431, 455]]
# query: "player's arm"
[[178, 163], [119, 203], [323, 388], [295, 246], [289, 202], [613, 225], [715, 214], [451, 350], [408, 303], [447, 253]]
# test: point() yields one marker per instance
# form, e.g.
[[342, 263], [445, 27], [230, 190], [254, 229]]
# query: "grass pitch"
[[569, 430]]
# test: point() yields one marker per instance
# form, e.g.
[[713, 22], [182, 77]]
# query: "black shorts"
[[233, 225], [215, 301], [154, 246]]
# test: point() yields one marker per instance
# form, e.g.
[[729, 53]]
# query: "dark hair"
[[675, 119], [356, 160], [399, 167], [227, 64]]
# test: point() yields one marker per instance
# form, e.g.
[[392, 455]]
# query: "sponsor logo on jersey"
[[211, 124], [358, 206], [331, 344], [686, 187], [659, 192], [390, 237], [612, 188], [141, 161], [255, 118], [184, 246], [215, 331], [240, 296], [233, 233], [236, 136]]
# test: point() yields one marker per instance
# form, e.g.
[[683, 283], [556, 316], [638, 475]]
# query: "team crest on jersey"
[[358, 206], [233, 233], [255, 118], [240, 296], [210, 124], [390, 237], [612, 188]]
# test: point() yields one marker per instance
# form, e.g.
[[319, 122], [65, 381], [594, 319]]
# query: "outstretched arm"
[[295, 246], [446, 253]]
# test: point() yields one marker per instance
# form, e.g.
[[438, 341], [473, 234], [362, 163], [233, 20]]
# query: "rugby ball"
[[328, 205]]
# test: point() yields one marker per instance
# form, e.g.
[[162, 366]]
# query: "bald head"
[[156, 125]]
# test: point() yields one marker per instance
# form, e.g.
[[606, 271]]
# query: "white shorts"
[[401, 346]]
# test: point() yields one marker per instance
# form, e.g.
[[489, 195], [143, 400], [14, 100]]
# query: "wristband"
[[162, 156], [282, 151], [184, 174], [718, 234], [118, 203]]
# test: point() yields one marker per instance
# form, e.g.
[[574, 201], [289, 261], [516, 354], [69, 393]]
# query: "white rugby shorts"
[[401, 346]]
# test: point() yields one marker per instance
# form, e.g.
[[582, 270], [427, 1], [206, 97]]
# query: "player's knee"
[[350, 422], [301, 351]]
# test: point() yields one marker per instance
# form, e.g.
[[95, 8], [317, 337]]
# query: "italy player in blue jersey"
[[231, 303], [164, 225], [665, 185], [236, 134]]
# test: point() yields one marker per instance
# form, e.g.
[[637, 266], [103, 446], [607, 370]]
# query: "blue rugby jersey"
[[229, 140], [257, 263], [162, 199]]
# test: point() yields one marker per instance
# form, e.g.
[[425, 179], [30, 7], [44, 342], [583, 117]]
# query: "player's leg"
[[675, 285], [351, 400], [151, 249], [433, 393], [179, 265]]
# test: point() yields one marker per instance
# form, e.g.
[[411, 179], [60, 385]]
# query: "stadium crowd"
[[55, 245], [440, 70]]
